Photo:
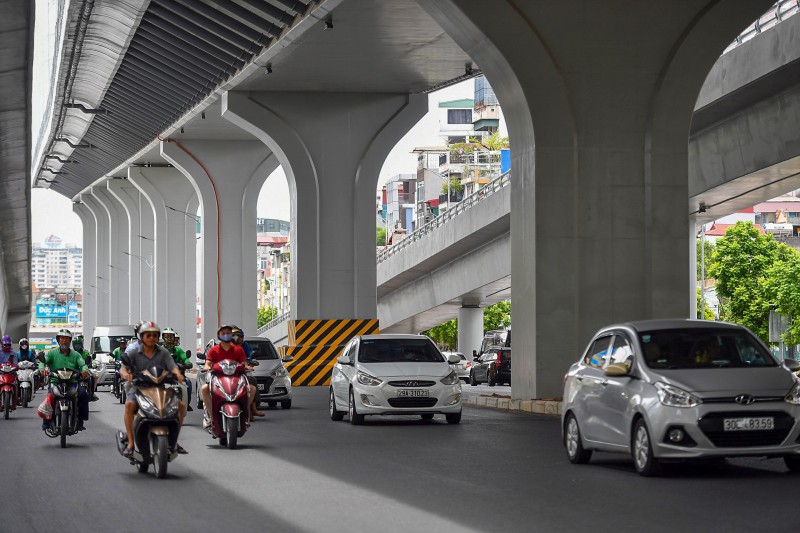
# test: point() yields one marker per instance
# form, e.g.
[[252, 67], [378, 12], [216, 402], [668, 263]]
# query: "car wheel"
[[643, 459], [355, 418], [490, 380], [472, 381], [792, 462], [453, 418], [576, 453], [427, 416], [336, 415]]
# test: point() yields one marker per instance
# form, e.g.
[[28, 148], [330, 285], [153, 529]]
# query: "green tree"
[[445, 334], [380, 236], [455, 185], [709, 252], [783, 288], [742, 262], [497, 316], [707, 313], [266, 314]]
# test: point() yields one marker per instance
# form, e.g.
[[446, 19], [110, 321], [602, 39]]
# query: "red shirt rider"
[[217, 353]]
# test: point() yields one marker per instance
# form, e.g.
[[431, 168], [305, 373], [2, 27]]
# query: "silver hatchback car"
[[680, 389]]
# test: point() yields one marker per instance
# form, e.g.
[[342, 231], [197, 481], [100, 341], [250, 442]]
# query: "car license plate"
[[260, 386], [749, 424], [412, 393]]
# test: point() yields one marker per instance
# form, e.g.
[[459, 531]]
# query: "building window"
[[459, 116]]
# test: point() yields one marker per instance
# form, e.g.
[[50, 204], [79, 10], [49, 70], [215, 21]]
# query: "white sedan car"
[[394, 375]]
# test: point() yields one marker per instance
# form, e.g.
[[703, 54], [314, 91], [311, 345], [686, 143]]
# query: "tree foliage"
[[455, 185], [742, 265], [490, 143], [707, 313], [497, 316], [445, 335], [380, 236], [783, 289], [266, 314]]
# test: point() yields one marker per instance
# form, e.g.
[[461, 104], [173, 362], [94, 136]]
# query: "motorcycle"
[[118, 387], [27, 382], [229, 402], [157, 422], [65, 408], [9, 388]]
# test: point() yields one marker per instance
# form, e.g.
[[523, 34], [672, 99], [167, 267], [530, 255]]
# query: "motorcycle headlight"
[[65, 375], [794, 395], [672, 396], [366, 379], [228, 369], [146, 405], [279, 372], [450, 379], [171, 409]]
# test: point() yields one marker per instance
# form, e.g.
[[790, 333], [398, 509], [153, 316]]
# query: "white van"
[[104, 341]]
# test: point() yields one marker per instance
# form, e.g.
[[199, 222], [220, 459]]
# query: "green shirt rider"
[[170, 340], [64, 358], [77, 345]]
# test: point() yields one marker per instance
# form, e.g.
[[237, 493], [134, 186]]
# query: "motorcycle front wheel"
[[160, 454], [6, 404], [64, 428], [26, 397], [233, 434]]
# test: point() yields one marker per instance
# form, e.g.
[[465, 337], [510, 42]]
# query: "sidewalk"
[[498, 401]]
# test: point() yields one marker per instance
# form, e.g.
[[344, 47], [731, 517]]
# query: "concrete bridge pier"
[[173, 202], [89, 264], [128, 197], [470, 330], [115, 273], [332, 147], [599, 100], [97, 281], [227, 177]]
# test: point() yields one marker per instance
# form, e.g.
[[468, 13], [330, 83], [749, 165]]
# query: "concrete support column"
[[693, 229], [598, 117], [470, 330], [98, 283], [89, 295], [117, 274], [170, 195], [332, 147], [227, 177], [128, 197]]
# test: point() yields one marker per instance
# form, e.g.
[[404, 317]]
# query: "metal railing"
[[274, 322], [779, 12], [471, 200]]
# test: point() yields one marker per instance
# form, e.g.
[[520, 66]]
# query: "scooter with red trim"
[[228, 387]]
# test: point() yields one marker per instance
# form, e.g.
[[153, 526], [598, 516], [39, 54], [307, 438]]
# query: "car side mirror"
[[617, 370], [287, 358], [344, 360], [188, 353], [201, 356], [453, 359], [791, 365]]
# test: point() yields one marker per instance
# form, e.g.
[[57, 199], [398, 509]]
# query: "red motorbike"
[[229, 402], [8, 388]]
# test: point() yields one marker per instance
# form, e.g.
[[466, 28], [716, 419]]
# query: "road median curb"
[[544, 407]]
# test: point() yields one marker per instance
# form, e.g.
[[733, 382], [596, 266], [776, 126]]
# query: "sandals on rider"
[[180, 449], [127, 452]]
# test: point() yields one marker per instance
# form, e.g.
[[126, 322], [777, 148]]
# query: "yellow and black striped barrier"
[[315, 344]]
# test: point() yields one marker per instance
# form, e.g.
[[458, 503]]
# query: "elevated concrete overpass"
[[326, 88], [16, 63]]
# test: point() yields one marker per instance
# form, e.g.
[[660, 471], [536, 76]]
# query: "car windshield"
[[263, 350], [398, 351], [104, 344], [703, 348]]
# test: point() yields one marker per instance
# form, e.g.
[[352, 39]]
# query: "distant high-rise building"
[[55, 265]]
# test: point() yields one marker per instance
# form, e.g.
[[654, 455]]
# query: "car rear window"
[[398, 351], [263, 350], [505, 355], [703, 348]]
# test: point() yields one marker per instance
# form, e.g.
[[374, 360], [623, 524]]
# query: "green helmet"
[[64, 332]]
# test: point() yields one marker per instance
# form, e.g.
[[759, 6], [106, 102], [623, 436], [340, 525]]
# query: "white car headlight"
[[794, 395], [366, 379], [450, 379], [279, 372], [672, 396]]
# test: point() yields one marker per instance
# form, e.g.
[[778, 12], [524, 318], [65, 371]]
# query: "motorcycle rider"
[[133, 346], [77, 345], [7, 355], [25, 353], [147, 355], [117, 355], [62, 358], [179, 356], [238, 339], [226, 349]]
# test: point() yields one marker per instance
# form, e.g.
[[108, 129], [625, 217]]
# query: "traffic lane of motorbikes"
[[297, 470]]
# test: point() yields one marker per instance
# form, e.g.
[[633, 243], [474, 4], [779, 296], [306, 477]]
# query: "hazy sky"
[[52, 212]]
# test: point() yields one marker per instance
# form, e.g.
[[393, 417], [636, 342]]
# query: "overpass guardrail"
[[779, 12], [274, 322], [463, 206]]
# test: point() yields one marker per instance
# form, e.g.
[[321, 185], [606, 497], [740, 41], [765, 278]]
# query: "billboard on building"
[[51, 311]]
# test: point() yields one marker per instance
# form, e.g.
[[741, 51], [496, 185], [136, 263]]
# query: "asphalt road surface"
[[296, 470]]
